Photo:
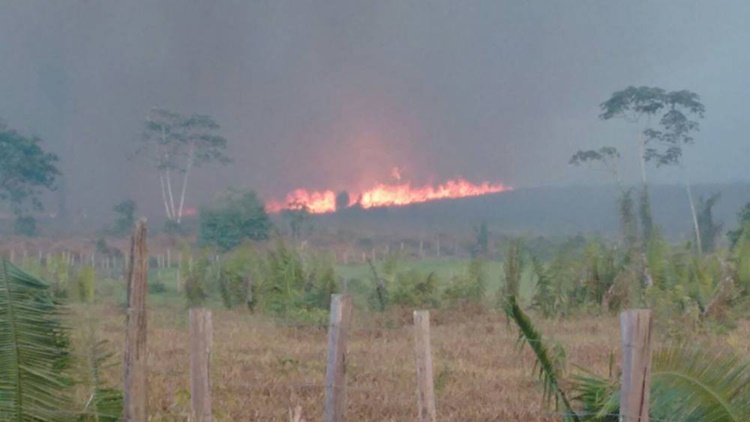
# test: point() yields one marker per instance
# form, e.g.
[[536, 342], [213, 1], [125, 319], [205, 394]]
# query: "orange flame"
[[381, 195]]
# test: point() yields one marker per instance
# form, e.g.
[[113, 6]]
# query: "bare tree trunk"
[[170, 213], [642, 159], [697, 228], [645, 205], [184, 186], [164, 195], [171, 197]]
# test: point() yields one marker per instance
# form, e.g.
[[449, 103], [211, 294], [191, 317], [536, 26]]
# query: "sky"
[[335, 94]]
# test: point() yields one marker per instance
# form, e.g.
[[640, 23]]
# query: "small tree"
[[482, 233], [26, 170], [608, 159], [709, 230], [236, 216], [25, 225], [177, 144], [342, 200], [743, 222], [125, 212], [297, 214]]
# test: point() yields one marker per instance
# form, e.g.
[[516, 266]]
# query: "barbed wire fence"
[[335, 385]]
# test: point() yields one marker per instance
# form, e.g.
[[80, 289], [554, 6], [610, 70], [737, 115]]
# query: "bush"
[[234, 278], [470, 286], [125, 212], [235, 217], [416, 290], [156, 287], [25, 225]]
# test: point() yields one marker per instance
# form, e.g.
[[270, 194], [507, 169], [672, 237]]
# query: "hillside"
[[540, 211]]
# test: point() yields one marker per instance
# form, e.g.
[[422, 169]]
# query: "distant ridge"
[[549, 210]]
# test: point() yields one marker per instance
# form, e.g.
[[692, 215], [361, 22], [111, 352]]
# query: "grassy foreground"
[[263, 367]]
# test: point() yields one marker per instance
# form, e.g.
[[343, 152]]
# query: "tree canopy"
[[675, 112], [671, 118], [177, 143], [25, 170]]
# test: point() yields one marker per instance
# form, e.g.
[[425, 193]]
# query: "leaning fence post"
[[201, 333], [636, 328], [136, 394], [425, 385], [338, 330]]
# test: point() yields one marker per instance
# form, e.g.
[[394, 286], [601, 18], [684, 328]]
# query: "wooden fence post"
[[135, 365], [425, 384], [201, 341], [338, 332], [636, 328]]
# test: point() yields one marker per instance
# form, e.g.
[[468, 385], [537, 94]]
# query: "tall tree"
[[670, 121], [177, 144], [26, 170]]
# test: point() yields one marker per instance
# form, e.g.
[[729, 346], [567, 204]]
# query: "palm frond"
[[104, 403], [690, 384], [546, 367], [33, 350], [512, 268], [599, 397]]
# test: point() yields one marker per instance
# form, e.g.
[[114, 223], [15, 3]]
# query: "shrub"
[[743, 222], [125, 212], [414, 289], [195, 274], [25, 225], [321, 282], [157, 286], [379, 297], [234, 217], [472, 285]]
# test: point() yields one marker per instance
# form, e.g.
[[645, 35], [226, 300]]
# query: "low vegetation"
[[272, 295]]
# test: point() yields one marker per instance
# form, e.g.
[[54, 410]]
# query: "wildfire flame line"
[[382, 195]]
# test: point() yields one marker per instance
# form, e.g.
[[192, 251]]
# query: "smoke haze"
[[335, 94]]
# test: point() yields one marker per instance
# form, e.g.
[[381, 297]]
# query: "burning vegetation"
[[382, 195]]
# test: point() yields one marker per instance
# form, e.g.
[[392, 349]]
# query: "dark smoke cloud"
[[336, 93]]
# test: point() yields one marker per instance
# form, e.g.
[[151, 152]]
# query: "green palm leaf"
[[33, 350], [688, 384], [546, 366], [104, 403]]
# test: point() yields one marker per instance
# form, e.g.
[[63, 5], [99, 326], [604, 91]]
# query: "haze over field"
[[335, 94]]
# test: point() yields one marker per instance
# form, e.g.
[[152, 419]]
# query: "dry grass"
[[261, 369]]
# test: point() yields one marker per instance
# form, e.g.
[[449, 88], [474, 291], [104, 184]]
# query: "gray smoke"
[[336, 93]]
